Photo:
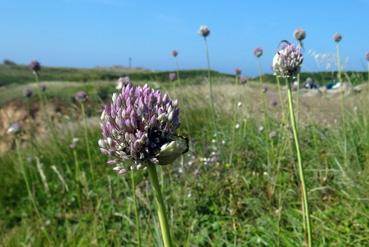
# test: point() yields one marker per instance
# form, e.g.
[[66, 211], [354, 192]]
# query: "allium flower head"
[[243, 80], [122, 82], [74, 143], [258, 52], [35, 66], [28, 93], [139, 129], [172, 76], [81, 96], [367, 56], [287, 62], [337, 37], [14, 128], [204, 31], [42, 87], [237, 71], [174, 53], [299, 34]]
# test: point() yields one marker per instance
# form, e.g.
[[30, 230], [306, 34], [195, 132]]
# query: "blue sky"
[[88, 33]]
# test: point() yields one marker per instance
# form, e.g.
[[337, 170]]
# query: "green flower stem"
[[77, 174], [177, 66], [86, 139], [260, 71], [298, 99], [300, 168], [209, 78], [138, 226], [280, 97], [23, 171], [338, 62], [165, 231]]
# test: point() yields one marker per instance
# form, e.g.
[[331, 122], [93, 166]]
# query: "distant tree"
[[8, 62]]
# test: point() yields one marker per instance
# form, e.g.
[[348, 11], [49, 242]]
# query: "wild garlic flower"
[[139, 129], [299, 34], [287, 62], [14, 128], [122, 82], [74, 143], [237, 71], [28, 93], [42, 87], [35, 66], [172, 76], [81, 97], [258, 52], [337, 37], [204, 31], [243, 80], [174, 53]]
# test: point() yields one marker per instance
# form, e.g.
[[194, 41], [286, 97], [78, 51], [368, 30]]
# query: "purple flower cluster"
[[258, 52], [136, 126], [287, 62], [35, 66]]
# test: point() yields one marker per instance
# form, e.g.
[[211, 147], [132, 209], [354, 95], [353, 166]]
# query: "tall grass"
[[213, 204]]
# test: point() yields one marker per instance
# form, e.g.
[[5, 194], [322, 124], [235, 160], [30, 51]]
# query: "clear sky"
[[88, 33]]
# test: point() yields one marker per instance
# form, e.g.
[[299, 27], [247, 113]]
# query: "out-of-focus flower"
[[81, 96], [265, 89], [14, 128], [122, 82], [28, 93], [243, 80], [204, 31], [237, 71], [258, 52], [367, 56], [139, 129], [274, 103], [74, 143], [287, 62], [172, 76], [299, 34], [239, 104], [337, 37], [174, 53], [42, 87], [35, 66]]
